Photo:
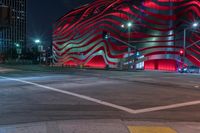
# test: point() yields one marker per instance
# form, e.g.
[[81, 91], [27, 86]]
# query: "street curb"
[[95, 126]]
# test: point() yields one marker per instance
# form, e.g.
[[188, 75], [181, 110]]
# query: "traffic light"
[[181, 52], [105, 35]]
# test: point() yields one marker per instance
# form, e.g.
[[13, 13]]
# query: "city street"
[[35, 96], [100, 66]]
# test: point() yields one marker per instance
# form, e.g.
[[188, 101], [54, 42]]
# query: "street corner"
[[150, 129]]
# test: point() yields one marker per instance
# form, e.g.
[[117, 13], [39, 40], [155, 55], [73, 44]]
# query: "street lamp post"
[[106, 35], [194, 25], [184, 45], [129, 25], [18, 49], [39, 47]]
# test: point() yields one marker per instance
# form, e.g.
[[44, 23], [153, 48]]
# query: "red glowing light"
[[181, 51]]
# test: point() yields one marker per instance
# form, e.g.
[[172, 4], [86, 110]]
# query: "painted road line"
[[150, 129], [172, 106], [196, 86], [132, 111], [6, 70], [75, 95]]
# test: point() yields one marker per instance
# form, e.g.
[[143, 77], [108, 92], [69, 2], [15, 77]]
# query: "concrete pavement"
[[100, 126], [93, 97]]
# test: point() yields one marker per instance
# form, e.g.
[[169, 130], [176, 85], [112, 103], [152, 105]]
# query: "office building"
[[13, 37]]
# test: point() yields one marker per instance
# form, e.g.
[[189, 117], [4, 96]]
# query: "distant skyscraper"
[[14, 35]]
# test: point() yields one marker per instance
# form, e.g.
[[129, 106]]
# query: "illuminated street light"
[[195, 24], [17, 45], [129, 24], [37, 41]]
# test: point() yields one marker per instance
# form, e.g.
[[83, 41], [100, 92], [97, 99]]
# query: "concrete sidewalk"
[[96, 126]]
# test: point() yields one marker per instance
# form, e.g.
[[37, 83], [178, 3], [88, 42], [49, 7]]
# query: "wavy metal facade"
[[157, 33]]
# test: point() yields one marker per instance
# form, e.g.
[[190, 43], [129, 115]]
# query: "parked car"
[[189, 69]]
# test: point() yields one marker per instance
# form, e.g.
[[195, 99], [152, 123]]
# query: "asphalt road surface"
[[34, 96]]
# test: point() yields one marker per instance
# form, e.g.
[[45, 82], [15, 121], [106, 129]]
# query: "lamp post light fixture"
[[129, 24], [17, 45], [195, 24], [37, 41]]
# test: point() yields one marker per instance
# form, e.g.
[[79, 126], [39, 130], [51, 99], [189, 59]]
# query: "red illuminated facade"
[[156, 31]]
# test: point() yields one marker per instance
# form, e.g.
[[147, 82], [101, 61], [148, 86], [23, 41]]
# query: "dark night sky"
[[41, 14]]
